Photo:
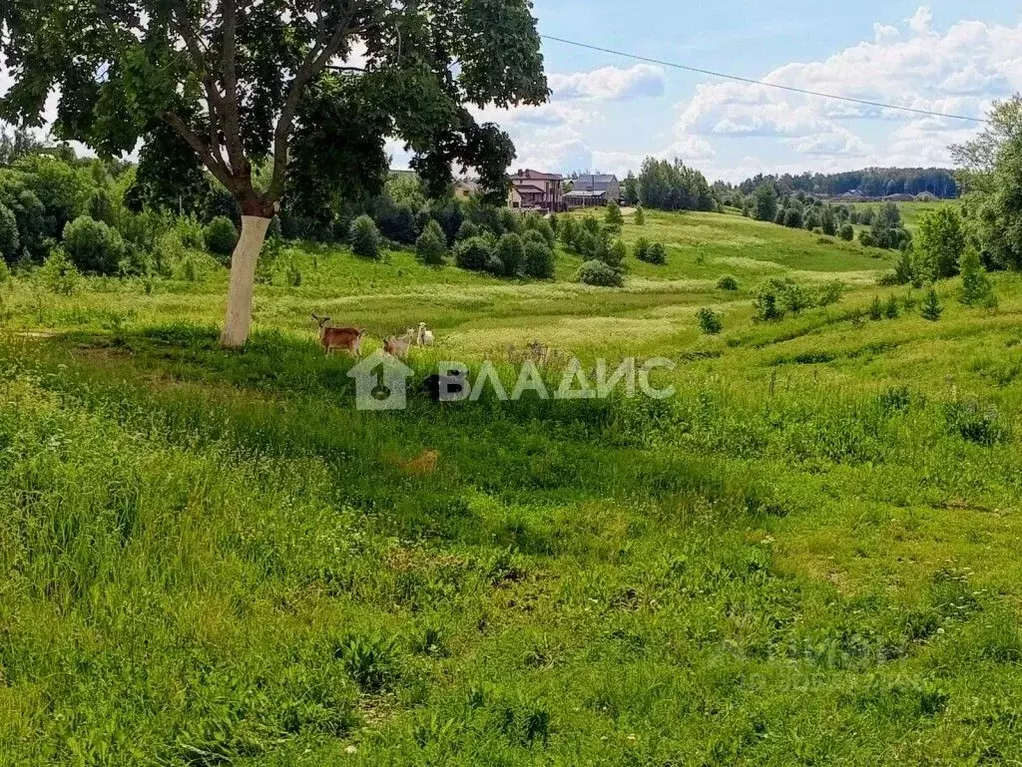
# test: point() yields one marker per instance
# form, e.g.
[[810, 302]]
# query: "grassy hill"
[[805, 556]]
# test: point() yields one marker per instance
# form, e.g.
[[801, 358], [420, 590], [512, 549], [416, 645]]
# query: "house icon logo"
[[381, 382]]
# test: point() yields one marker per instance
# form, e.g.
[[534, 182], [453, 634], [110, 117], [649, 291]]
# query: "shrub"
[[191, 234], [641, 249], [567, 231], [10, 241], [92, 246], [931, 308], [600, 274], [651, 253], [614, 218], [847, 232], [511, 253], [830, 293], [101, 206], [538, 226], [779, 218], [431, 247], [467, 231], [220, 237], [876, 309], [866, 239], [793, 218], [531, 235], [365, 238], [796, 299], [727, 282], [888, 279], [891, 308], [5, 272], [710, 322], [640, 216], [508, 222], [615, 254], [494, 266], [539, 260], [976, 286], [473, 254], [59, 274]]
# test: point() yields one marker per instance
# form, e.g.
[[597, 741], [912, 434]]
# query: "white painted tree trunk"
[[239, 294]]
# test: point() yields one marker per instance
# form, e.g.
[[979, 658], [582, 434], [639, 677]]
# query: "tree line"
[[869, 182]]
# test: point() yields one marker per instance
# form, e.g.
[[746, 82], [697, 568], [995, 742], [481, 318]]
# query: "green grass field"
[[807, 556]]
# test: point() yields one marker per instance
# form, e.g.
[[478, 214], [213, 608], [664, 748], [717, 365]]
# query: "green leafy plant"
[[431, 247], [598, 273], [931, 308], [710, 322], [727, 282]]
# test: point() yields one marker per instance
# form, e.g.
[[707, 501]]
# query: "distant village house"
[[532, 189], [593, 189]]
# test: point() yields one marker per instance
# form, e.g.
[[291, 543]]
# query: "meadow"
[[806, 556]]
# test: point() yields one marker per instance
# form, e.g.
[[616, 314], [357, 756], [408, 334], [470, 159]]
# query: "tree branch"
[[315, 62], [211, 161], [231, 121]]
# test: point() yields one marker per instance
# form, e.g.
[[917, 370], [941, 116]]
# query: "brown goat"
[[348, 339], [398, 346]]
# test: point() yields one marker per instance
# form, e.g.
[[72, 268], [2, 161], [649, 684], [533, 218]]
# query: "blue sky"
[[607, 112]]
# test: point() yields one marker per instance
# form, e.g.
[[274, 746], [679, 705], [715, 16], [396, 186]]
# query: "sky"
[[607, 113]]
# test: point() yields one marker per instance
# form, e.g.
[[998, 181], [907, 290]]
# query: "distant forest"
[[870, 182]]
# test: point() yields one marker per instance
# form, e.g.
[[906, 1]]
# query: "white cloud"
[[609, 83], [921, 21], [885, 33], [959, 71]]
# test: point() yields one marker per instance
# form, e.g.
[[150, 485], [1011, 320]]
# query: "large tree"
[[275, 98], [991, 172]]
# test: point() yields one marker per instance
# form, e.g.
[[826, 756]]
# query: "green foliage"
[[892, 308], [364, 238], [931, 308], [710, 322], [615, 254], [829, 221], [59, 274], [779, 296], [847, 232], [10, 239], [673, 186], [431, 247], [614, 219], [220, 237], [991, 168], [639, 216], [630, 190], [830, 293], [539, 260], [942, 242], [651, 253], [876, 309], [793, 218], [92, 246], [765, 203], [538, 225], [727, 282], [600, 274], [511, 252], [467, 231], [473, 254], [976, 287]]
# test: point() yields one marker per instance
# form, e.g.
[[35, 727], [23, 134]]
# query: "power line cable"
[[749, 81]]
